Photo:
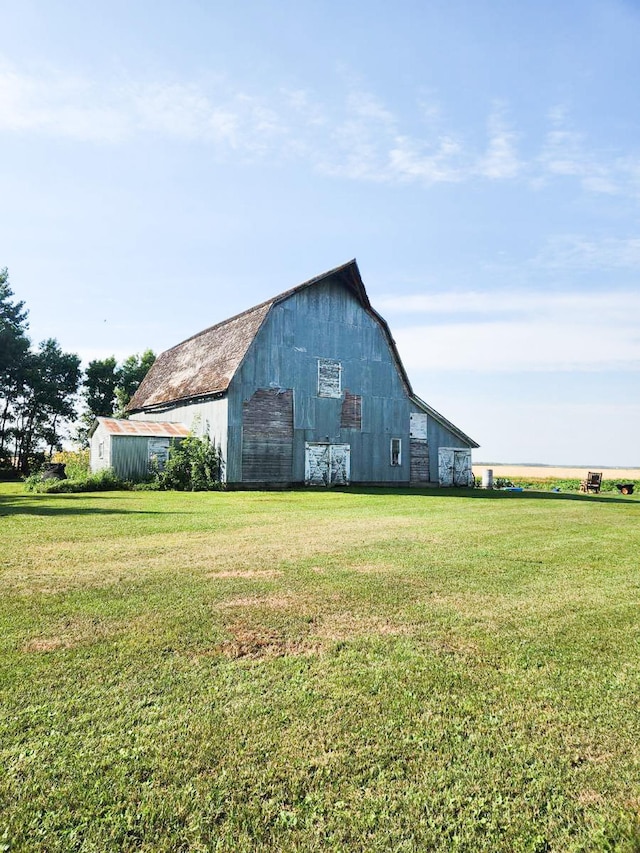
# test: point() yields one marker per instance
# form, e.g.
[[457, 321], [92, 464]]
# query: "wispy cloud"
[[510, 332], [356, 136], [59, 105], [575, 252], [443, 161], [566, 153], [180, 111], [501, 160]]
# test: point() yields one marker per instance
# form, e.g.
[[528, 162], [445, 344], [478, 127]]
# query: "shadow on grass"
[[488, 494], [75, 504], [33, 505]]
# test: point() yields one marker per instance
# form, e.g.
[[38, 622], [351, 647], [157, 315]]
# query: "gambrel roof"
[[201, 366], [204, 365]]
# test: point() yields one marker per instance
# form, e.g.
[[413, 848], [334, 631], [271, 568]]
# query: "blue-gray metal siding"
[[130, 456], [326, 321]]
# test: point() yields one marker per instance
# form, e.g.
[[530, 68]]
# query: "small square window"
[[396, 451]]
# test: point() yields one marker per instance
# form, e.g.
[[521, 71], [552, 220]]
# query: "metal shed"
[[131, 448]]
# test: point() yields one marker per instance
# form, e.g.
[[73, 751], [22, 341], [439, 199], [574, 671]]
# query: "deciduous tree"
[[52, 378], [14, 355], [130, 374]]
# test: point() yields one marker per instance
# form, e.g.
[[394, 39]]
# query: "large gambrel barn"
[[307, 387]]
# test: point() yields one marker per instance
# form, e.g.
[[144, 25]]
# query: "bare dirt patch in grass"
[[73, 632], [251, 574], [270, 602], [251, 640], [68, 635], [45, 644], [338, 627], [448, 645], [248, 641], [588, 797], [372, 568]]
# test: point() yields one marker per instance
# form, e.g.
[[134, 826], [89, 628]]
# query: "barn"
[[305, 388]]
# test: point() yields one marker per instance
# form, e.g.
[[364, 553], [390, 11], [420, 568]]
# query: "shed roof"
[[152, 429], [205, 363]]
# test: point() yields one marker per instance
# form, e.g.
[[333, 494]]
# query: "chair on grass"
[[593, 482]]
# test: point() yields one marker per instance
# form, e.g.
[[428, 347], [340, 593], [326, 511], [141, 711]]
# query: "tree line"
[[44, 392]]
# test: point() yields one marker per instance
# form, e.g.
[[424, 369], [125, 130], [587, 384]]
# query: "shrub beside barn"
[[306, 388]]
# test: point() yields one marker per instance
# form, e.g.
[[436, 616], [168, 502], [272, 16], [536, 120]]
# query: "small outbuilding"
[[133, 449]]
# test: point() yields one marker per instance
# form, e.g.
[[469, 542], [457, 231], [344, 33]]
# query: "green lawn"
[[349, 671]]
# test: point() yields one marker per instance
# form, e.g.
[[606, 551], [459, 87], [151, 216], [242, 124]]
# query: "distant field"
[[556, 473], [358, 670]]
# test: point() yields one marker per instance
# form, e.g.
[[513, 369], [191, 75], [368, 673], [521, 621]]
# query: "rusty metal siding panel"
[[267, 437], [140, 427], [351, 414]]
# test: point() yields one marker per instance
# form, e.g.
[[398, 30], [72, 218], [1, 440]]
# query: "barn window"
[[101, 450], [157, 453], [329, 378], [396, 451]]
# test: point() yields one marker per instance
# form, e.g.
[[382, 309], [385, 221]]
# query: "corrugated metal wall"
[[326, 322], [130, 456]]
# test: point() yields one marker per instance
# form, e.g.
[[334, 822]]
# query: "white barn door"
[[454, 466], [327, 464]]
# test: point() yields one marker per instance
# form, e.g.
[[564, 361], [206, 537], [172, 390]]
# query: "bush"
[[103, 481], [194, 465]]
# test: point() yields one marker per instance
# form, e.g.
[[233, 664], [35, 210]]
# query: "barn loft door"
[[327, 464], [418, 449], [454, 466]]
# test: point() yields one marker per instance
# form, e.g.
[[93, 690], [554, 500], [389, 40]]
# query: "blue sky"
[[166, 165]]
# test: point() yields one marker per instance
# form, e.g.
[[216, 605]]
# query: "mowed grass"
[[301, 671]]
